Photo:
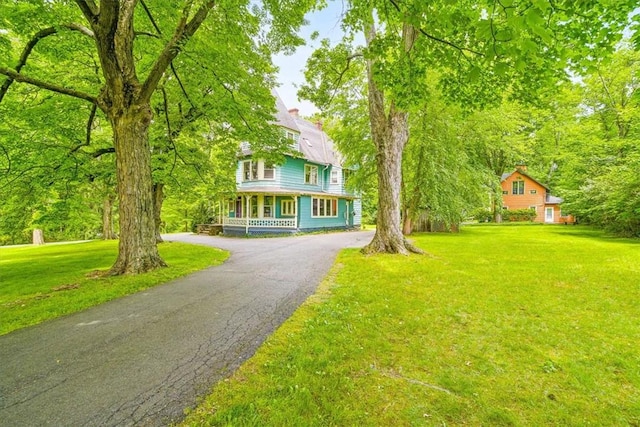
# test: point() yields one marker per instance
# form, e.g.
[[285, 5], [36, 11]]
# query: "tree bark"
[[390, 132], [38, 237], [158, 198], [107, 218], [138, 252]]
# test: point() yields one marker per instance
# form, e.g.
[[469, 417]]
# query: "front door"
[[548, 214]]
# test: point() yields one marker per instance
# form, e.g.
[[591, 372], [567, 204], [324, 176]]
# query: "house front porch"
[[259, 226]]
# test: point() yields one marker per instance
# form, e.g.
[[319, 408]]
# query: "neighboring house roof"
[[521, 172], [549, 199]]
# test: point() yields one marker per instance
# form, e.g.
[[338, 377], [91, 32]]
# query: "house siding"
[[308, 223]]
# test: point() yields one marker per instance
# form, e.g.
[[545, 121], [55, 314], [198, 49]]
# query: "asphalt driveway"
[[143, 359]]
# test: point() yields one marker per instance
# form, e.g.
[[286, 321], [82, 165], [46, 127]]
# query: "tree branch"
[[87, 141], [32, 44], [102, 151], [183, 32], [173, 69], [89, 9], [44, 85], [434, 38], [448, 43]]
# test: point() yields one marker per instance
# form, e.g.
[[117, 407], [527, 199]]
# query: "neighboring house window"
[[288, 208], [334, 176], [321, 207], [505, 192], [532, 191], [534, 208], [311, 174], [518, 187]]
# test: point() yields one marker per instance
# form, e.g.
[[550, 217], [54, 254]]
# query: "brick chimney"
[[294, 112], [521, 167]]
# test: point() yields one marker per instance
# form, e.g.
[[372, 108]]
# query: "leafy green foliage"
[[214, 95], [594, 145], [518, 215]]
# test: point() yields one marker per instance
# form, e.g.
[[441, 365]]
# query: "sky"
[[327, 23]]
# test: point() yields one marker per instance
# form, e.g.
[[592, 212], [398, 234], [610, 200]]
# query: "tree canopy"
[[133, 66], [482, 53]]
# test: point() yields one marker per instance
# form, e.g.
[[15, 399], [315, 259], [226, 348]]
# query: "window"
[[321, 207], [267, 208], [345, 176], [249, 170], [334, 176], [288, 208], [518, 187], [253, 207], [269, 171], [311, 174], [253, 170], [290, 135], [532, 191], [505, 192]]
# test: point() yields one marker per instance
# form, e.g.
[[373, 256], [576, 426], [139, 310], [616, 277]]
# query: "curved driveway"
[[142, 359]]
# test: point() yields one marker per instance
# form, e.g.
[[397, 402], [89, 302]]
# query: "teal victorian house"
[[306, 193]]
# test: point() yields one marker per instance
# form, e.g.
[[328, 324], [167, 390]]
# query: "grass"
[[44, 282], [517, 325]]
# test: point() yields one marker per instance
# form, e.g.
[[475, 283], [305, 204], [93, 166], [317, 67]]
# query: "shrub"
[[518, 215]]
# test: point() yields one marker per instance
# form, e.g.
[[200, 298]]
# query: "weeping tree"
[[480, 48], [114, 54]]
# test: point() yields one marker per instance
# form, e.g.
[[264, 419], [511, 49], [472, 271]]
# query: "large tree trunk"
[[158, 198], [390, 132], [138, 252]]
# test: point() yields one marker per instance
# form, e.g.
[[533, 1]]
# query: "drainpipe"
[[324, 176]]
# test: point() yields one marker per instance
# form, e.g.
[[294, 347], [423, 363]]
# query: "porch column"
[[246, 227], [295, 217]]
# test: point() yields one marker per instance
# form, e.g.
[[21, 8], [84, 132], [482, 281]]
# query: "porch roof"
[[279, 191]]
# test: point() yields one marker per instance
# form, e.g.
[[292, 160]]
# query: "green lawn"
[[44, 282], [512, 325]]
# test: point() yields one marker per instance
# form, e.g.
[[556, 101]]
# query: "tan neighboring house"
[[521, 191]]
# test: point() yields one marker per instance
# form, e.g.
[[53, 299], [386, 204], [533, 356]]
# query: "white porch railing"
[[261, 222]]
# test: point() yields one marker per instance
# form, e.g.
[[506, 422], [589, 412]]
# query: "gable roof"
[[313, 143], [505, 176], [283, 118]]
